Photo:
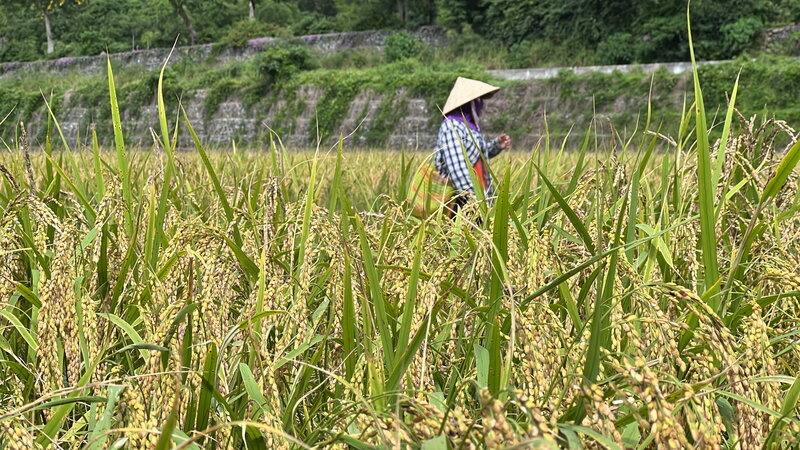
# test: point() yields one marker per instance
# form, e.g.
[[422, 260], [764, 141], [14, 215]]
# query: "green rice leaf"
[[708, 239], [119, 145], [21, 329], [576, 222]]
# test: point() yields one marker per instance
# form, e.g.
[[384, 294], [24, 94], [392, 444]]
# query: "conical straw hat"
[[466, 90]]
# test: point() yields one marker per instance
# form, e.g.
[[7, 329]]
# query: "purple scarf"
[[465, 115]]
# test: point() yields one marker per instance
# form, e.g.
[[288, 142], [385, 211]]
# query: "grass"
[[640, 292]]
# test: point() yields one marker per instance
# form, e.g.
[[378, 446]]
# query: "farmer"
[[460, 134]]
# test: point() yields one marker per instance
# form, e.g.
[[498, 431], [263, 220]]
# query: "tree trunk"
[[51, 46], [252, 5], [401, 11], [177, 5]]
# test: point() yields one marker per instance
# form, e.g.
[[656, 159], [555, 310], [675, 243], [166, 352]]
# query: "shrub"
[[786, 47], [356, 58], [536, 53], [473, 47], [618, 48], [741, 35], [282, 62], [664, 39], [314, 24], [247, 29], [399, 46]]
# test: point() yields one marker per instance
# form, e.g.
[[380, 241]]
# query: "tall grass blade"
[[497, 285], [381, 315], [706, 191], [600, 333], [576, 222], [119, 145]]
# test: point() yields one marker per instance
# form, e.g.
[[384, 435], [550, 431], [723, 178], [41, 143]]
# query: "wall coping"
[[553, 72]]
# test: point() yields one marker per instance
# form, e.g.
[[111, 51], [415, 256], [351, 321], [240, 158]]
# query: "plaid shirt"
[[454, 134]]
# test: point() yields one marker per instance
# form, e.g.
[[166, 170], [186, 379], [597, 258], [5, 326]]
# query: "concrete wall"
[[552, 72]]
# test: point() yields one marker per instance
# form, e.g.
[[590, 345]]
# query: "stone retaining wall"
[[154, 58], [523, 110], [520, 109]]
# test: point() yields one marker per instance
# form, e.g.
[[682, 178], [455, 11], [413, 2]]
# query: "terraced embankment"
[[390, 105]]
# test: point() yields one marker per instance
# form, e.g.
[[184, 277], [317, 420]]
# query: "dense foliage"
[[530, 31]]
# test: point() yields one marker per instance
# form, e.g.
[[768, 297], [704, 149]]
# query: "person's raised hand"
[[505, 142]]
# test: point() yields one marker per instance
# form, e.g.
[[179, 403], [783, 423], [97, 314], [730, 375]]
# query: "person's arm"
[[503, 142], [493, 147], [489, 148], [457, 168]]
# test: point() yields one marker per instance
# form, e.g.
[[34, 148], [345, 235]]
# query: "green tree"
[[379, 14], [454, 14], [722, 28], [251, 9], [181, 9], [46, 8], [324, 7]]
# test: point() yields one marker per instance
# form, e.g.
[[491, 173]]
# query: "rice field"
[[638, 292]]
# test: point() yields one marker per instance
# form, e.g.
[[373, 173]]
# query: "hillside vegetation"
[[508, 33]]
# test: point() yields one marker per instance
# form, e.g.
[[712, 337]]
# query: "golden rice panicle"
[[702, 417], [661, 421], [656, 326], [538, 425], [684, 247], [267, 379], [663, 424], [580, 200], [395, 282], [296, 327], [15, 431], [356, 388], [599, 415], [529, 267], [777, 277], [109, 220], [757, 360], [621, 177], [95, 330], [497, 430], [139, 429], [223, 436], [335, 292], [218, 291], [15, 434], [11, 265], [539, 354], [57, 316], [425, 419], [713, 332]]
